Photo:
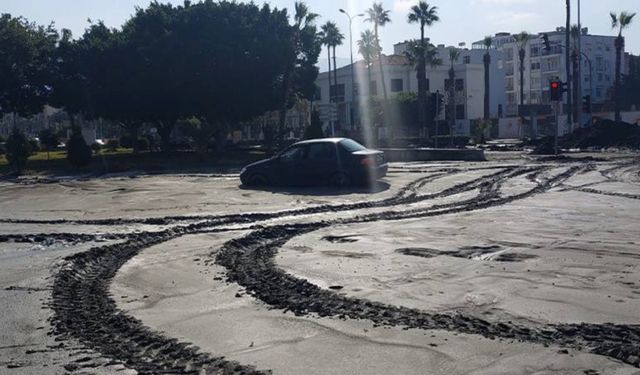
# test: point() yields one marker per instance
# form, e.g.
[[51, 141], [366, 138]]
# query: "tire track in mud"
[[84, 310], [250, 263], [405, 195]]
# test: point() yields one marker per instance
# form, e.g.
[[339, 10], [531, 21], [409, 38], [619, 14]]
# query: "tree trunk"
[[619, 44], [335, 83], [452, 103], [422, 89], [487, 87], [165, 136], [576, 98], [330, 93], [384, 84], [283, 110]]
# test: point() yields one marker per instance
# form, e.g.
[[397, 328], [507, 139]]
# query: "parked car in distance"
[[338, 162]]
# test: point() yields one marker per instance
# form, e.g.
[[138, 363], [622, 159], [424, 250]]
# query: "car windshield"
[[352, 146]]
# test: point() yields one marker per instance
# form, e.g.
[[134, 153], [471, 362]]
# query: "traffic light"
[[545, 40], [586, 104], [555, 89]]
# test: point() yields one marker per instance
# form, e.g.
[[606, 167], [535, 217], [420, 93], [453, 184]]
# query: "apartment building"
[[540, 66], [400, 77]]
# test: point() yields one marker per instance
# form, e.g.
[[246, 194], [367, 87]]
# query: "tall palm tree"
[[619, 22], [575, 54], [336, 40], [328, 34], [486, 59], [302, 18], [379, 17], [369, 50], [425, 15], [521, 43], [454, 55]]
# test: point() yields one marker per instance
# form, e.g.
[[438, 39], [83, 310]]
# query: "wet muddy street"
[[515, 265]]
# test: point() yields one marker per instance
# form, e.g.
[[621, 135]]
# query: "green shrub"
[[18, 149], [112, 144], [35, 145], [126, 141], [96, 147], [143, 144], [78, 153]]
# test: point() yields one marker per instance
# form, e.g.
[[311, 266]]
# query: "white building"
[[401, 77], [541, 66]]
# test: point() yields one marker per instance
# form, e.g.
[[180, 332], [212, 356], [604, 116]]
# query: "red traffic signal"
[[555, 88]]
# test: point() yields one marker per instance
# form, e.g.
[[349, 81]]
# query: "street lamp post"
[[353, 80]]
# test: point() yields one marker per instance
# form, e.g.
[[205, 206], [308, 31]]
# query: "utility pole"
[[568, 63], [353, 79], [579, 72]]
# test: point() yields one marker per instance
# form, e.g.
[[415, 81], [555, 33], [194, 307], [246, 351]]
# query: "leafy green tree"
[[620, 22], [300, 71], [369, 49], [25, 65], [426, 54], [18, 149], [78, 152], [49, 140], [425, 15]]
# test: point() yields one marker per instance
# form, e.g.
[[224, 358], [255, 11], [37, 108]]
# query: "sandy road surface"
[[511, 266]]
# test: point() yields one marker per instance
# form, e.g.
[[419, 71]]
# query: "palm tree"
[[303, 18], [379, 17], [521, 42], [575, 53], [369, 50], [454, 55], [488, 43], [425, 15], [619, 22], [327, 34], [336, 40]]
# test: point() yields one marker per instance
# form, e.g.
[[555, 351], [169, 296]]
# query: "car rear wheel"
[[339, 180]]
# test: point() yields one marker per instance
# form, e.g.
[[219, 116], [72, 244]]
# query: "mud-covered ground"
[[516, 265]]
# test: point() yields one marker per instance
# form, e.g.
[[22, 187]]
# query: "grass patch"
[[123, 160]]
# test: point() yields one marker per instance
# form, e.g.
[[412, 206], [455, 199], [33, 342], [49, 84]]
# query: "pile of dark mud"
[[603, 134]]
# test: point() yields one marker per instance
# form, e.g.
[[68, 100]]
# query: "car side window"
[[293, 154], [322, 151]]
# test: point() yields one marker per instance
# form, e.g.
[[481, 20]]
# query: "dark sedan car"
[[335, 161]]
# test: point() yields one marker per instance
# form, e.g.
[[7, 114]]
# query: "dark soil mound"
[[603, 134]]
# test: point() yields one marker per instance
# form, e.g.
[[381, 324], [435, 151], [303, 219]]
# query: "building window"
[[535, 66], [373, 88], [396, 85], [535, 50], [318, 94], [511, 98], [509, 56], [427, 83], [337, 92], [460, 112], [599, 92], [459, 84], [466, 59]]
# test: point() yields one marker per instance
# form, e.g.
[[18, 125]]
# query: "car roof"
[[321, 140]]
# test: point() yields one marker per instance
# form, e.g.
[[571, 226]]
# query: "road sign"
[[328, 112]]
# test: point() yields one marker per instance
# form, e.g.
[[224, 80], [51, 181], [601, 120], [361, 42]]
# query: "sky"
[[460, 20]]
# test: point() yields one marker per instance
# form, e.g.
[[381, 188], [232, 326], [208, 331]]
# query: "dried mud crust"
[[250, 263], [84, 310]]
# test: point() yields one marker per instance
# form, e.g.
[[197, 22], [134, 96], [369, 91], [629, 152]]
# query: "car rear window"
[[351, 145]]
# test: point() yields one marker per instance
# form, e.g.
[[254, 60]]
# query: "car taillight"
[[367, 162]]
